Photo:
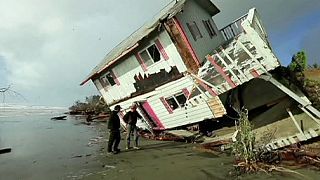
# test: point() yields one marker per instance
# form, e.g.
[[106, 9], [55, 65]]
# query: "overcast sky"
[[47, 47]]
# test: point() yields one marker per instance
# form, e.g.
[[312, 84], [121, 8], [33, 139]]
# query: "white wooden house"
[[176, 66]]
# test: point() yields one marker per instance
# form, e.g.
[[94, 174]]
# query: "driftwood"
[[5, 150], [59, 118], [160, 137], [295, 156]]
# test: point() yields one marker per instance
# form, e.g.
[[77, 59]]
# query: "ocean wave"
[[17, 110]]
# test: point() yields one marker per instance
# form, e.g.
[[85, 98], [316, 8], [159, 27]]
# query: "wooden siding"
[[179, 116], [126, 80], [194, 13], [107, 97], [181, 43]]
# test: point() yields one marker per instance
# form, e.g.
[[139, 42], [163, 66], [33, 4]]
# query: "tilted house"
[[176, 66]]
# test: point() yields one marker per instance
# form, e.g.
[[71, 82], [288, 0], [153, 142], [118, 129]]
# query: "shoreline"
[[46, 149]]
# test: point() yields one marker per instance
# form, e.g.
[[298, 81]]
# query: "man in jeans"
[[131, 119], [114, 126]]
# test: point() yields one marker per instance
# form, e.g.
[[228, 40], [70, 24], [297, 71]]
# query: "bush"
[[93, 104]]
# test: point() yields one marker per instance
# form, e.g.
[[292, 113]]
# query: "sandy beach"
[[46, 149]]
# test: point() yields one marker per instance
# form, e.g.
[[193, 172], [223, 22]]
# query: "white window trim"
[[174, 97], [107, 80], [146, 49]]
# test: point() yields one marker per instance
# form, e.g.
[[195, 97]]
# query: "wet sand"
[[46, 149]]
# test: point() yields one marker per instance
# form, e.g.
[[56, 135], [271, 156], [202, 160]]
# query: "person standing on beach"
[[114, 127], [131, 119]]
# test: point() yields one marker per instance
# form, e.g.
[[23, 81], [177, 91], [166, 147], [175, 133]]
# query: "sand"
[[46, 149]]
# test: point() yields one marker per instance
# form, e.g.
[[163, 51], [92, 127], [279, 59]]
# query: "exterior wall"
[[180, 116], [203, 46], [126, 79]]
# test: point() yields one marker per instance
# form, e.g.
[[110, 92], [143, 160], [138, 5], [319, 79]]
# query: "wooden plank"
[[268, 147], [307, 135], [313, 133], [280, 143], [292, 140], [221, 71], [294, 121], [301, 137], [273, 146], [310, 115], [216, 106], [214, 103], [286, 142]]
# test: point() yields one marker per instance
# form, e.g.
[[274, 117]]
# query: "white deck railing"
[[233, 29], [236, 27]]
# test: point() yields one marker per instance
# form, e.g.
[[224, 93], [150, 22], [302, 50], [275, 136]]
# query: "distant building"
[[178, 66]]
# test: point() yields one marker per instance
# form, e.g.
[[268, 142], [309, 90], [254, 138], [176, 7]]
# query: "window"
[[181, 98], [194, 30], [172, 103], [176, 101], [207, 24], [150, 55], [108, 79]]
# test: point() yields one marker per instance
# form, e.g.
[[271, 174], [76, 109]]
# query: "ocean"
[[42, 148], [13, 110]]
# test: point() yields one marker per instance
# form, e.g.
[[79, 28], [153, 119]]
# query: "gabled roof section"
[[131, 42]]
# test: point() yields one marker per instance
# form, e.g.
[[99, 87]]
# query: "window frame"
[[146, 49], [105, 81], [191, 30], [174, 97], [209, 27]]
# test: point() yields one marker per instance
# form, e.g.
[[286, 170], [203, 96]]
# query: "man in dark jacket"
[[114, 126], [131, 119]]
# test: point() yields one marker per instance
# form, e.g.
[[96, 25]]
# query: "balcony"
[[245, 54]]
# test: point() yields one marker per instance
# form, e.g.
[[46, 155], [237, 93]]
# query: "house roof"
[[132, 41]]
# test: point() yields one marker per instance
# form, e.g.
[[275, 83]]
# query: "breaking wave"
[[13, 110]]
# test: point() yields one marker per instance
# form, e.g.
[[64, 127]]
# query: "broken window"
[[154, 53], [104, 82], [108, 79], [181, 98], [207, 24], [150, 55], [194, 30], [176, 101], [172, 103]]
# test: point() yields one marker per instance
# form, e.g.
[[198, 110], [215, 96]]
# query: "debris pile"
[[251, 156], [312, 90], [163, 136]]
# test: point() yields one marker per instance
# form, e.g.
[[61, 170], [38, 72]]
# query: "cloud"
[[49, 47]]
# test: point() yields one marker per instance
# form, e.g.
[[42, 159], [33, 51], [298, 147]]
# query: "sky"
[[47, 47]]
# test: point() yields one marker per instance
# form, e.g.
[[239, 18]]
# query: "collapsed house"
[[180, 69]]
